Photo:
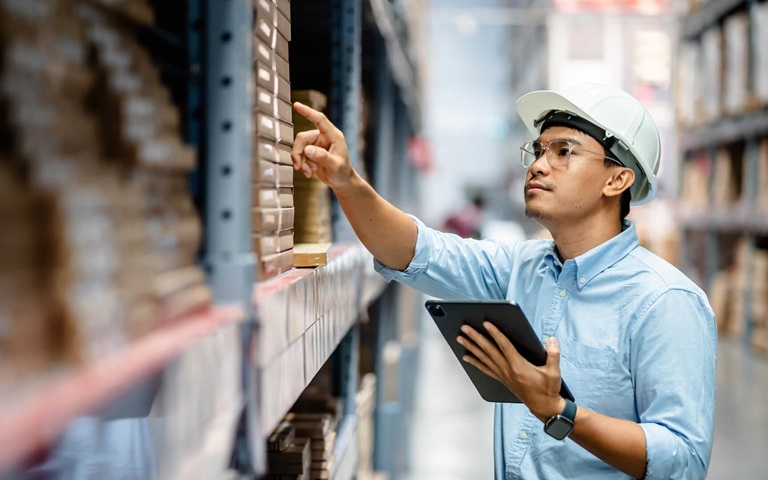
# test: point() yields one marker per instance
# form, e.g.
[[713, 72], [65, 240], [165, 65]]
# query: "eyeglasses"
[[558, 152]]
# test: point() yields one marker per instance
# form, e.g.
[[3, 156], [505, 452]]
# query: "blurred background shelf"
[[30, 420], [726, 130], [707, 15]]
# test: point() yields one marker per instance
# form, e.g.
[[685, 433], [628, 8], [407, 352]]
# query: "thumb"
[[553, 354]]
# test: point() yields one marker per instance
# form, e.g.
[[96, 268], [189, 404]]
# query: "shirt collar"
[[591, 263]]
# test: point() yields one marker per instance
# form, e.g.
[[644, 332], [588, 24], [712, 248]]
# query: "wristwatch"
[[560, 426]]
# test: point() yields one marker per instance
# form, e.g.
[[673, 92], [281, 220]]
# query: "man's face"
[[555, 194]]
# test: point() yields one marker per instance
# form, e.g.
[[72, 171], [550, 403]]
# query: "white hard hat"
[[626, 128]]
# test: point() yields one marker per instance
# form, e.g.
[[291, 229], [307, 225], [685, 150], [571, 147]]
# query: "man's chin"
[[537, 215]]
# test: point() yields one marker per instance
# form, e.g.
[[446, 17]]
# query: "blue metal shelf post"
[[346, 77], [228, 150]]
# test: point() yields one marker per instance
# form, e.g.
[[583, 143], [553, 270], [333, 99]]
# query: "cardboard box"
[[759, 22], [712, 74], [263, 52], [266, 126], [762, 176], [283, 24], [284, 133], [266, 102], [283, 89], [281, 46], [268, 150], [284, 111], [284, 6], [265, 30], [282, 68], [267, 174], [285, 177], [736, 38], [272, 265], [265, 77], [266, 219], [265, 197]]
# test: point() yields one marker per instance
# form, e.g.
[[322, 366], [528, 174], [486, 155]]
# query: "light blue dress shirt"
[[638, 341]]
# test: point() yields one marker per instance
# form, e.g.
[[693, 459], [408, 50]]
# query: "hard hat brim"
[[532, 106]]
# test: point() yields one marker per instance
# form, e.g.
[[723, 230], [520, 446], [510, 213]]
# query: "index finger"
[[319, 119]]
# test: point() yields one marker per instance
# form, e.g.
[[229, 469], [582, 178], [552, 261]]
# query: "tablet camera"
[[437, 311]]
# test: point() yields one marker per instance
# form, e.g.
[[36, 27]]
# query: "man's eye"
[[563, 151]]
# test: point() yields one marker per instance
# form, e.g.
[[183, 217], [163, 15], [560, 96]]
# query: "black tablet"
[[449, 316]]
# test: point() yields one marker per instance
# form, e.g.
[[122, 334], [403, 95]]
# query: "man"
[[634, 339]]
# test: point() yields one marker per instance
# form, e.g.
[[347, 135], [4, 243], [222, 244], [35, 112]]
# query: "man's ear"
[[621, 179]]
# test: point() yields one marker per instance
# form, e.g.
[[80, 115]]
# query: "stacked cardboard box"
[[688, 83], [759, 308], [273, 205], [696, 172], [141, 129], [96, 151], [288, 456], [310, 428], [762, 176], [725, 184], [26, 318], [712, 74], [313, 200], [759, 19], [736, 65]]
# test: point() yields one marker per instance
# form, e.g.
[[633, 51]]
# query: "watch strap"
[[569, 411]]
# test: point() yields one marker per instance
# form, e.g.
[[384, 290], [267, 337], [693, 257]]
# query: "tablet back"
[[449, 316]]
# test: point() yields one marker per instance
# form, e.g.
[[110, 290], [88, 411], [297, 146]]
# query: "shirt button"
[[562, 293], [523, 435], [582, 280]]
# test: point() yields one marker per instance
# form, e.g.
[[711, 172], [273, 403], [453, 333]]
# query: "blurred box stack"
[[759, 311], [311, 424], [94, 149], [759, 19], [736, 64], [313, 201], [712, 75], [696, 172], [273, 202], [725, 186], [27, 322], [689, 84], [762, 175], [288, 456]]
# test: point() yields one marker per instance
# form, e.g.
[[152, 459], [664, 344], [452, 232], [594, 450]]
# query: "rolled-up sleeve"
[[447, 266], [673, 361]]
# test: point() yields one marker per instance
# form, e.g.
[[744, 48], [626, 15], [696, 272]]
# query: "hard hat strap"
[[560, 118]]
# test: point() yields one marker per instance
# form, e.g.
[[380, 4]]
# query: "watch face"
[[559, 428]]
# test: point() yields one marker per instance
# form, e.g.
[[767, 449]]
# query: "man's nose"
[[541, 165]]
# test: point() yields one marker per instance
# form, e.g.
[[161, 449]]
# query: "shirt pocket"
[[584, 369]]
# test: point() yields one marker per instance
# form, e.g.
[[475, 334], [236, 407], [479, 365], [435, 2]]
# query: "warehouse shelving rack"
[[189, 400], [711, 234]]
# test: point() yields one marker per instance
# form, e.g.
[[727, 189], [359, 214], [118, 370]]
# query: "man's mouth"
[[535, 186]]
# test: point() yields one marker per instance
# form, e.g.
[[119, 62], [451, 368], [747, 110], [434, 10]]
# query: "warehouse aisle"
[[741, 424], [453, 427], [452, 432]]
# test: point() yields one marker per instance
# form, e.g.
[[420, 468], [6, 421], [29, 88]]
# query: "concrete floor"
[[453, 427]]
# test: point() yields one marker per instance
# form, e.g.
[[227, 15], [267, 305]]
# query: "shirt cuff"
[[419, 261], [661, 450]]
